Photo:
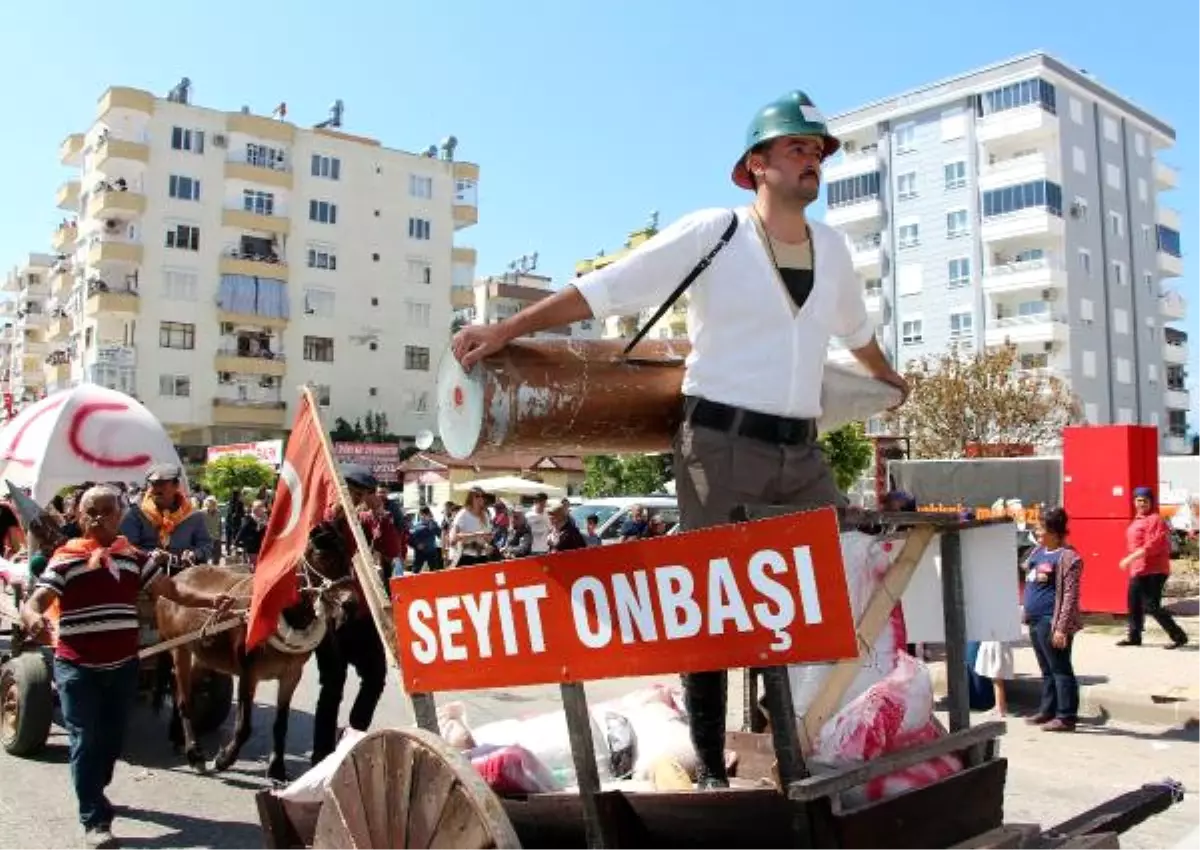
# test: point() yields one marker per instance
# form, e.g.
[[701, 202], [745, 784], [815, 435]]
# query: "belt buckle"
[[790, 431]]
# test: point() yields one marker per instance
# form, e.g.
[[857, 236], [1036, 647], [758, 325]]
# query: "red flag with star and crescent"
[[306, 489]]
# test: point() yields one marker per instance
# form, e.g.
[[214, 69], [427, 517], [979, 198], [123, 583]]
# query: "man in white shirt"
[[760, 317], [539, 524]]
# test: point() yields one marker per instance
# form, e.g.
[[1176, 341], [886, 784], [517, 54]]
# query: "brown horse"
[[326, 572]]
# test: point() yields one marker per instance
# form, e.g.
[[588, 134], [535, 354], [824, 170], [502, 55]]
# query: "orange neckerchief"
[[84, 548], [168, 522]]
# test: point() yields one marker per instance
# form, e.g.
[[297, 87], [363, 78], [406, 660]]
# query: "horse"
[[325, 571]]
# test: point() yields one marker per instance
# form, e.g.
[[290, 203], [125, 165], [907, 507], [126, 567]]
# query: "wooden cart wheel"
[[409, 788]]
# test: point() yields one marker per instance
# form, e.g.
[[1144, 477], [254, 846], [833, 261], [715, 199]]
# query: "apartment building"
[[1022, 203], [24, 322], [210, 262], [497, 297]]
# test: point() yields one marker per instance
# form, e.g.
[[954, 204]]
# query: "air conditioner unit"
[[220, 140], [226, 328], [1076, 210], [1049, 294], [1047, 347]]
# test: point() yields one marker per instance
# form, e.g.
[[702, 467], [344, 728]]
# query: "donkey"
[[281, 658]]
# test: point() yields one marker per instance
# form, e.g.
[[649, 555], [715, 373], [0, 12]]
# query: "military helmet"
[[793, 114]]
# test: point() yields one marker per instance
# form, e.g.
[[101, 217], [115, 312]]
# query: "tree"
[[343, 431], [962, 398], [236, 472], [624, 475], [849, 453]]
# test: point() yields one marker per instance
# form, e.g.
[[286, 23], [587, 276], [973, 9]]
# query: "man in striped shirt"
[[95, 581]]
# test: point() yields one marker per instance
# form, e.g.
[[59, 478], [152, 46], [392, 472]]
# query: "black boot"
[[706, 697]]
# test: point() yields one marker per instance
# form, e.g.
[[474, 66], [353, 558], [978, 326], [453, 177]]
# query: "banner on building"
[[383, 459], [268, 451]]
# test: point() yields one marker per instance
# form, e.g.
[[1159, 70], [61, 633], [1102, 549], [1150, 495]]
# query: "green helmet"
[[793, 114]]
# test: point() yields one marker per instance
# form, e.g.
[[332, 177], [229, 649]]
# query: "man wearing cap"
[[166, 519], [356, 641], [760, 317]]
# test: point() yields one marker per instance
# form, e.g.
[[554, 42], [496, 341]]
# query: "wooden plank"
[[583, 754], [1121, 813], [830, 784], [425, 712], [431, 787], [459, 825], [954, 616], [278, 831], [938, 815], [1095, 841], [870, 625], [1009, 835], [789, 760]]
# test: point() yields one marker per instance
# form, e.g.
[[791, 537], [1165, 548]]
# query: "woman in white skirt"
[[995, 662]]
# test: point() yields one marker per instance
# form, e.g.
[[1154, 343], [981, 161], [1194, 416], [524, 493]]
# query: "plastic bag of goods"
[[892, 715], [452, 726], [302, 798], [512, 770], [546, 737], [866, 559], [660, 729]]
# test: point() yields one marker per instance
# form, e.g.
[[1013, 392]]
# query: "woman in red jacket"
[[1149, 565]]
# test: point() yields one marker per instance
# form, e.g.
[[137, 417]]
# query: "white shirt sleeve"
[[650, 273], [851, 324]]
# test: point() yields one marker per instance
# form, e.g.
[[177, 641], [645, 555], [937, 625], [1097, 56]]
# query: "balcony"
[[250, 319], [59, 328], [57, 373], [1165, 177], [120, 97], [858, 211], [465, 215], [1176, 399], [1169, 264], [260, 127], [236, 263], [1033, 328], [1024, 123], [1167, 217], [33, 318], [867, 255], [460, 254], [852, 164], [244, 220], [1175, 353], [229, 359], [1015, 170], [115, 251], [112, 202], [109, 150], [70, 152], [67, 196], [1172, 306], [1177, 444], [279, 176], [462, 297], [873, 299], [1031, 221], [1041, 273], [236, 411], [63, 239], [105, 303]]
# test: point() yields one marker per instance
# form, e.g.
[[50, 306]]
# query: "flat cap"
[[357, 475], [164, 472]]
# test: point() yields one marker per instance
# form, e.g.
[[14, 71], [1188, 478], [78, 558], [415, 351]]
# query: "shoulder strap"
[[685, 283]]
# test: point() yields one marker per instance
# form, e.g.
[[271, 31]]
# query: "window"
[[322, 211], [1080, 207], [176, 335], [320, 257], [906, 185], [322, 392], [1079, 159], [318, 349], [1085, 261], [956, 224], [174, 386], [1120, 320], [265, 156], [1168, 241], [954, 125], [1016, 95], [906, 138], [1112, 175], [259, 203], [465, 192], [329, 167], [1148, 280], [420, 187], [416, 401], [909, 235], [956, 174], [1010, 199], [184, 188], [1077, 110], [1089, 364], [420, 271], [909, 279], [184, 237], [1147, 240], [960, 272], [1091, 413], [179, 285], [1116, 223], [852, 190], [1118, 273], [1125, 415], [961, 324], [318, 302], [1152, 373], [419, 228], [1087, 310], [1139, 144], [1110, 129], [183, 139], [1124, 371], [910, 332], [416, 358], [1143, 190], [417, 313]]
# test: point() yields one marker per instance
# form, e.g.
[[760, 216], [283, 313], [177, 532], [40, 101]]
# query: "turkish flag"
[[306, 489]]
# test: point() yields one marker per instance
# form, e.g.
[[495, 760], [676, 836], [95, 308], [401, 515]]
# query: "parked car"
[[612, 513]]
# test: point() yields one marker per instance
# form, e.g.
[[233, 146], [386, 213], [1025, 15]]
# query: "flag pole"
[[424, 708]]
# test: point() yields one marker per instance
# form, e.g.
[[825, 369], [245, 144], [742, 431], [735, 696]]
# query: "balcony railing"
[[866, 243], [1016, 266], [229, 348], [1026, 320]]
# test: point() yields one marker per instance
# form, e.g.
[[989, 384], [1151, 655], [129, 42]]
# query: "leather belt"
[[765, 427]]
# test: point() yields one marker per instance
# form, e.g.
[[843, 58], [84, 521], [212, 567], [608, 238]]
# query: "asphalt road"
[[161, 803]]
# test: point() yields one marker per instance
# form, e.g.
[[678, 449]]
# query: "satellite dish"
[[424, 439]]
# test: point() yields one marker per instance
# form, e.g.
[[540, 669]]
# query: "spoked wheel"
[[408, 788]]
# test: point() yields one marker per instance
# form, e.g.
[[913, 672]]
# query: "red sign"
[[754, 594]]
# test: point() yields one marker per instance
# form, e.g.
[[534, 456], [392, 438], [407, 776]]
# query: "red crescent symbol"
[[10, 452], [81, 415]]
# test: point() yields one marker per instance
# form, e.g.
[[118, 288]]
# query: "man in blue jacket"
[[166, 519]]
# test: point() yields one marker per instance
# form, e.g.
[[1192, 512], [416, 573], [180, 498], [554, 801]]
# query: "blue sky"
[[584, 117]]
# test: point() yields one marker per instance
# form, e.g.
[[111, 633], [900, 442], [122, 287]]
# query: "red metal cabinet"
[[1101, 544], [1102, 465]]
